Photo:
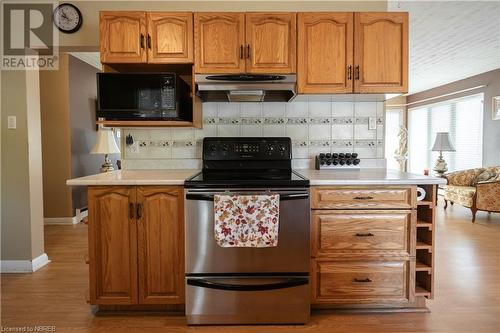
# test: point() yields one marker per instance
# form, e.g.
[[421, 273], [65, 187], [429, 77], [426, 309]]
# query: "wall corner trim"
[[24, 266]]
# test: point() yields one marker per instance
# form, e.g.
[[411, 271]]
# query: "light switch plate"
[[11, 122], [372, 123]]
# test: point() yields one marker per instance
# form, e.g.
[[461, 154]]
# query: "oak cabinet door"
[[325, 53], [123, 37], [219, 41], [112, 245], [160, 244], [381, 52], [271, 42], [170, 37]]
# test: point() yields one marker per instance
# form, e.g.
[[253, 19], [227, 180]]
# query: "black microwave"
[[143, 96]]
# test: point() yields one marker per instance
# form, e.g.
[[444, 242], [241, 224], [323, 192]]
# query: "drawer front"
[[382, 232], [343, 282], [387, 197]]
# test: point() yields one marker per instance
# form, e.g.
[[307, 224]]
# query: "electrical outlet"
[[372, 123], [11, 122]]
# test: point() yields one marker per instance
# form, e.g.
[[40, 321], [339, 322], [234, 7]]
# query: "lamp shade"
[[105, 143], [442, 142]]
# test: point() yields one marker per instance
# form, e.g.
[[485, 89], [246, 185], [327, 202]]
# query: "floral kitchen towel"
[[246, 220]]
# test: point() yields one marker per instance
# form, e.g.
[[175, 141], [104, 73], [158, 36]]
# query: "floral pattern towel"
[[246, 220]]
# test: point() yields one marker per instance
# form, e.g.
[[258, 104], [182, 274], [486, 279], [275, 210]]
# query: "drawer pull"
[[362, 280], [363, 198], [364, 234]]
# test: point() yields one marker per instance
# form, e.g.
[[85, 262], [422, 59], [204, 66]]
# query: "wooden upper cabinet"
[[160, 244], [381, 52], [123, 37], [219, 40], [170, 37], [325, 53], [112, 245], [271, 42]]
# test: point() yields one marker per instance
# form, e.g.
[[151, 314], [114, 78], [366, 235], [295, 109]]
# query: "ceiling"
[[450, 40]]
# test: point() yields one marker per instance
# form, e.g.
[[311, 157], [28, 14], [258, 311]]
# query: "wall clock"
[[67, 18]]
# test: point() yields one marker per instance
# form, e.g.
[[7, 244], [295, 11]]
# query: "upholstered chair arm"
[[488, 196], [460, 178]]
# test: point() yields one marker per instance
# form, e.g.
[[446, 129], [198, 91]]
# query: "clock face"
[[67, 18]]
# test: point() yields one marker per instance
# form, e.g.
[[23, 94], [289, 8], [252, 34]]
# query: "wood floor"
[[467, 290]]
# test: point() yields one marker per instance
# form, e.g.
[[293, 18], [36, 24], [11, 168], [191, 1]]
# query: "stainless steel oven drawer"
[[247, 300]]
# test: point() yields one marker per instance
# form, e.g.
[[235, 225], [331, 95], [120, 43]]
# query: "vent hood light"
[[246, 96]]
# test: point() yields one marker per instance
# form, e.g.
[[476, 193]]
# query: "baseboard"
[[24, 266], [80, 215]]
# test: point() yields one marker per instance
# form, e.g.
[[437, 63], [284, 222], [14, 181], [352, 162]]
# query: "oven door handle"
[[210, 197], [288, 283]]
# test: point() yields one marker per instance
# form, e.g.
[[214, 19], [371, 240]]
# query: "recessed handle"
[[364, 234], [365, 280], [363, 198]]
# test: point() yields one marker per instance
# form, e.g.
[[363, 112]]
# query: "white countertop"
[[367, 177], [316, 177], [135, 177]]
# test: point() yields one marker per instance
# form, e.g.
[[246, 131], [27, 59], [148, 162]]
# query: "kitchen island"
[[372, 242]]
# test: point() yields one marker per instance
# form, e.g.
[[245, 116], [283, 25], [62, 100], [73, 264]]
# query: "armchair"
[[477, 189]]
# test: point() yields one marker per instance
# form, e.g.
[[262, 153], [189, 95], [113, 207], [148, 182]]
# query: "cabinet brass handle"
[[241, 51], [142, 41], [363, 198], [248, 51], [131, 211], [139, 210], [149, 41], [356, 73], [364, 234], [349, 72], [365, 280]]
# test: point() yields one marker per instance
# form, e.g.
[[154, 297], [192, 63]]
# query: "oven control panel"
[[234, 149]]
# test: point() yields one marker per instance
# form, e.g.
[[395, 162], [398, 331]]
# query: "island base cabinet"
[[136, 245]]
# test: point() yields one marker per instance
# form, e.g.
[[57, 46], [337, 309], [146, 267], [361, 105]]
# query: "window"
[[462, 118], [393, 122]]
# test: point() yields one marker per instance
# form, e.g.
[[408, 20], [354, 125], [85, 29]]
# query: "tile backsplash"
[[314, 127]]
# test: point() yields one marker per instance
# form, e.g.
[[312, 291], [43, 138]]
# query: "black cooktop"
[[247, 178], [247, 162]]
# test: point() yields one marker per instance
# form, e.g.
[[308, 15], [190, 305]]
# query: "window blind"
[[462, 118]]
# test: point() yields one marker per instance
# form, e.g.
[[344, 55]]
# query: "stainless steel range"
[[247, 285]]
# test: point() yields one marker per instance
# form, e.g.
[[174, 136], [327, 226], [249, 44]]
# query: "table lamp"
[[442, 143], [106, 145]]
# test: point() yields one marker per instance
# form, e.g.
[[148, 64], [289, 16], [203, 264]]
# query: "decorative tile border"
[[289, 120]]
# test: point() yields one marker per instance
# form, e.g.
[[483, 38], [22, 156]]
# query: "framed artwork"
[[496, 108]]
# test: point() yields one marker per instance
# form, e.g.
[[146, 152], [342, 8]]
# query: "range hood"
[[246, 88]]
